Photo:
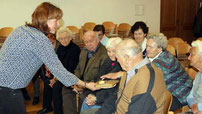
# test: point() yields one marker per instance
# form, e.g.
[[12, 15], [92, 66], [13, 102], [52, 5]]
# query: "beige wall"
[[76, 12]]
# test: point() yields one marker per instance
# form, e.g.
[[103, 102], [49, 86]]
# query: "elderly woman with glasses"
[[177, 80]]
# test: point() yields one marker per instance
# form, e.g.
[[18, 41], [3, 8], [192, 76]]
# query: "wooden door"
[[177, 17]]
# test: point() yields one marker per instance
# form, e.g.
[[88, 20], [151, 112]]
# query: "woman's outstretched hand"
[[91, 86]]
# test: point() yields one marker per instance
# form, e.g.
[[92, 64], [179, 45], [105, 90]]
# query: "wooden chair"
[[200, 38], [182, 50], [174, 41], [171, 49], [124, 30], [192, 73], [76, 36], [5, 31], [168, 102], [110, 29], [88, 26]]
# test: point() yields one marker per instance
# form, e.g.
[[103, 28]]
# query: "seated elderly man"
[[195, 97], [142, 89], [90, 61], [177, 80]]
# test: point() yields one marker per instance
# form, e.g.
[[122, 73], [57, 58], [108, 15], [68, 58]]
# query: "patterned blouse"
[[22, 54]]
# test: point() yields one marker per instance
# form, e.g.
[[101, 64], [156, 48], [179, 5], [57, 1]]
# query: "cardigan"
[[177, 80]]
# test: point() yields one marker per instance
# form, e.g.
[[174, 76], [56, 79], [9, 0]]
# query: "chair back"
[[76, 36], [168, 102], [88, 26], [174, 41], [110, 28], [171, 49], [5, 31], [182, 50], [192, 73], [200, 38], [124, 30]]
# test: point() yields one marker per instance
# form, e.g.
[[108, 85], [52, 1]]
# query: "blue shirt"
[[195, 96], [23, 53]]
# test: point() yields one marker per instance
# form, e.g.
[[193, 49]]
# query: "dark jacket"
[[87, 71], [108, 66], [69, 56]]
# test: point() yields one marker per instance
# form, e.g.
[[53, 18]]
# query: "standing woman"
[[22, 54], [140, 31]]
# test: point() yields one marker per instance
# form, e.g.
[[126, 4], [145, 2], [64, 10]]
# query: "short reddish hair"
[[42, 13]]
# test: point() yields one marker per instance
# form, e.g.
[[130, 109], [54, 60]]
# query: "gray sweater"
[[23, 53]]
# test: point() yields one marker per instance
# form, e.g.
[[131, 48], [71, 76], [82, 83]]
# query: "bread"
[[102, 82], [106, 84]]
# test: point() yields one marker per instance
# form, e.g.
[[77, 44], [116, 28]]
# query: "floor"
[[32, 109]]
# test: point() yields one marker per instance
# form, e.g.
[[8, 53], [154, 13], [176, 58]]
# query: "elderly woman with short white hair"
[[177, 80], [109, 66], [195, 97], [68, 54]]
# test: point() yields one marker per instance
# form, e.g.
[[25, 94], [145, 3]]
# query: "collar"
[[94, 51], [144, 44], [133, 71], [90, 53], [151, 59], [103, 39]]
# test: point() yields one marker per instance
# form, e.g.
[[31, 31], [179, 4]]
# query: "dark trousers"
[[175, 104], [53, 94], [69, 100], [11, 101]]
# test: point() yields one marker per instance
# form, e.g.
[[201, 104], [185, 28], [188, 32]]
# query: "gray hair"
[[113, 42], [62, 30], [197, 44], [160, 39], [128, 47]]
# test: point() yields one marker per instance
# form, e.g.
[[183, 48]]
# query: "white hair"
[[62, 30], [160, 39], [198, 44], [90, 33], [113, 42], [128, 46]]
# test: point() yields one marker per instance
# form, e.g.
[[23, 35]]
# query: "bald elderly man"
[[90, 61], [195, 97]]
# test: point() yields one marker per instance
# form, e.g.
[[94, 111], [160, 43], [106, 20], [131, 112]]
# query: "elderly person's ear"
[[126, 57]]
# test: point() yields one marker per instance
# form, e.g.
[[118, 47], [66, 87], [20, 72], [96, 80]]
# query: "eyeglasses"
[[67, 38]]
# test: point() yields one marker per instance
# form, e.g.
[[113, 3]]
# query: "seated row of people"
[[95, 61], [175, 78]]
